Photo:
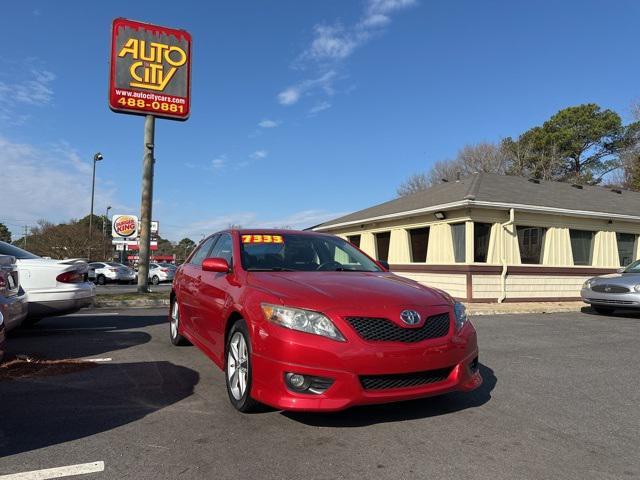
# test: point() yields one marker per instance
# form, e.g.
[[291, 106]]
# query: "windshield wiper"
[[273, 269]]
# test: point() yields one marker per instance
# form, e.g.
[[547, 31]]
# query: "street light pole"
[[104, 233], [96, 158]]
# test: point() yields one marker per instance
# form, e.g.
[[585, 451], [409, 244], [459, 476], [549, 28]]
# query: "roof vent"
[[575, 185], [616, 190], [534, 180]]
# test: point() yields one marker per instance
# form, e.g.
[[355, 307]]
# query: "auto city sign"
[[150, 70]]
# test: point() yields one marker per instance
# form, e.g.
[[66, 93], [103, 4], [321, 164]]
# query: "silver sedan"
[[617, 290]]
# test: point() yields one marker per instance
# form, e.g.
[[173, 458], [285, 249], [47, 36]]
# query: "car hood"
[[618, 279], [340, 290]]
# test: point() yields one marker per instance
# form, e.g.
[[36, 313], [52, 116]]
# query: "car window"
[[8, 249], [633, 268], [203, 251], [223, 248]]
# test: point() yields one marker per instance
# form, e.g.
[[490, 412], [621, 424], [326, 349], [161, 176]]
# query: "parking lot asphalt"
[[560, 400]]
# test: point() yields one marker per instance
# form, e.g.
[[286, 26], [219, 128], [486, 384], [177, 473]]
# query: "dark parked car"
[[13, 299]]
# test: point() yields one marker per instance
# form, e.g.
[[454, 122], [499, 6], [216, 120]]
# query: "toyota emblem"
[[410, 317]]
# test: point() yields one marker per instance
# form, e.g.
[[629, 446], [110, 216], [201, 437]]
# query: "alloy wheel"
[[238, 365], [175, 319]]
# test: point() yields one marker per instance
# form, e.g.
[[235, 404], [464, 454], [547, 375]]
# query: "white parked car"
[[159, 272], [105, 272], [53, 287]]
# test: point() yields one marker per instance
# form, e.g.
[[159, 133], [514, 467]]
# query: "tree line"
[[584, 144], [71, 240]]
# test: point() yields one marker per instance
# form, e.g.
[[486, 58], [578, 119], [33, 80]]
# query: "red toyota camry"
[[306, 321]]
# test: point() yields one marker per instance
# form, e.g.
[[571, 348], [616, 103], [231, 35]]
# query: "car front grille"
[[611, 302], [604, 288], [404, 380], [383, 330]]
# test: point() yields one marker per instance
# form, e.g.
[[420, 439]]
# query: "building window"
[[530, 241], [581, 246], [481, 235], [626, 248], [354, 239], [382, 245], [458, 235], [419, 241]]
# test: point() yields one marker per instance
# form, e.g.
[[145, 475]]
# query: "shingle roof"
[[504, 189]]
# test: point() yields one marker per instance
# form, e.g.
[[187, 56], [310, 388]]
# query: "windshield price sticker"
[[262, 239]]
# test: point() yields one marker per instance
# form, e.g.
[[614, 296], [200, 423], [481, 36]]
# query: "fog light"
[[295, 380], [307, 383]]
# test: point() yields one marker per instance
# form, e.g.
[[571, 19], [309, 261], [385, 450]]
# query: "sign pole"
[[146, 203]]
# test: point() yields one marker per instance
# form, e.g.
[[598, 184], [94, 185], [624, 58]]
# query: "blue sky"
[[301, 110]]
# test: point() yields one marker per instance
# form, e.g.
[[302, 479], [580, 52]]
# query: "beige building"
[[489, 238]]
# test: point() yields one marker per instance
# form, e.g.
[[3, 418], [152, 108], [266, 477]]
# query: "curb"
[[138, 303]]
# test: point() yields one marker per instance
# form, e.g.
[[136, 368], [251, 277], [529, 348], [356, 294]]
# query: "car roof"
[[273, 231]]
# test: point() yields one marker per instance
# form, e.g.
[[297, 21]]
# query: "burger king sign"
[[124, 227]]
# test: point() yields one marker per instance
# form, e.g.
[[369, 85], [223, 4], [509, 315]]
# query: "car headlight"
[[637, 288], [461, 315], [587, 284], [302, 320]]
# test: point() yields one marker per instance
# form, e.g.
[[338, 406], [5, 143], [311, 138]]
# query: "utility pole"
[[104, 233], [146, 204], [26, 227], [96, 158]]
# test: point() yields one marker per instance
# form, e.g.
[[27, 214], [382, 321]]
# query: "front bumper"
[[14, 309], [345, 363], [614, 300]]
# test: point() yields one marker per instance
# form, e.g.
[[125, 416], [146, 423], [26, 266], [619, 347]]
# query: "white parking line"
[[97, 360], [59, 472]]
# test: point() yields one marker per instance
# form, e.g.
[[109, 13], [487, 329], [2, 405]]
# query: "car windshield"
[[302, 252], [633, 267], [8, 249]]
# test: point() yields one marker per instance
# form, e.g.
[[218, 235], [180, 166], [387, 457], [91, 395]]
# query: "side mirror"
[[620, 270], [384, 264], [215, 264]]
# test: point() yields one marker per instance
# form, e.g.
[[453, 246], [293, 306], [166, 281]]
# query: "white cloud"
[[292, 94], [32, 89], [333, 43], [259, 154], [219, 163], [267, 123], [51, 183], [319, 107], [289, 96]]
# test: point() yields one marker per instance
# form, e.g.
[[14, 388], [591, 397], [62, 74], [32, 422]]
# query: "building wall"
[[503, 249]]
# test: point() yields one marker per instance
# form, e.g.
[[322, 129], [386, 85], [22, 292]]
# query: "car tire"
[[101, 280], [174, 325], [603, 310], [155, 280], [238, 369]]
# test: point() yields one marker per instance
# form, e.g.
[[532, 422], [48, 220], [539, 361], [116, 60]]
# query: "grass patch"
[[118, 297]]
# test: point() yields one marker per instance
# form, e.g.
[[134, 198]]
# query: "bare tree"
[[417, 182], [480, 157]]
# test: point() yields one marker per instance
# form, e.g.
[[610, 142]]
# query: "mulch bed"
[[23, 367]]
